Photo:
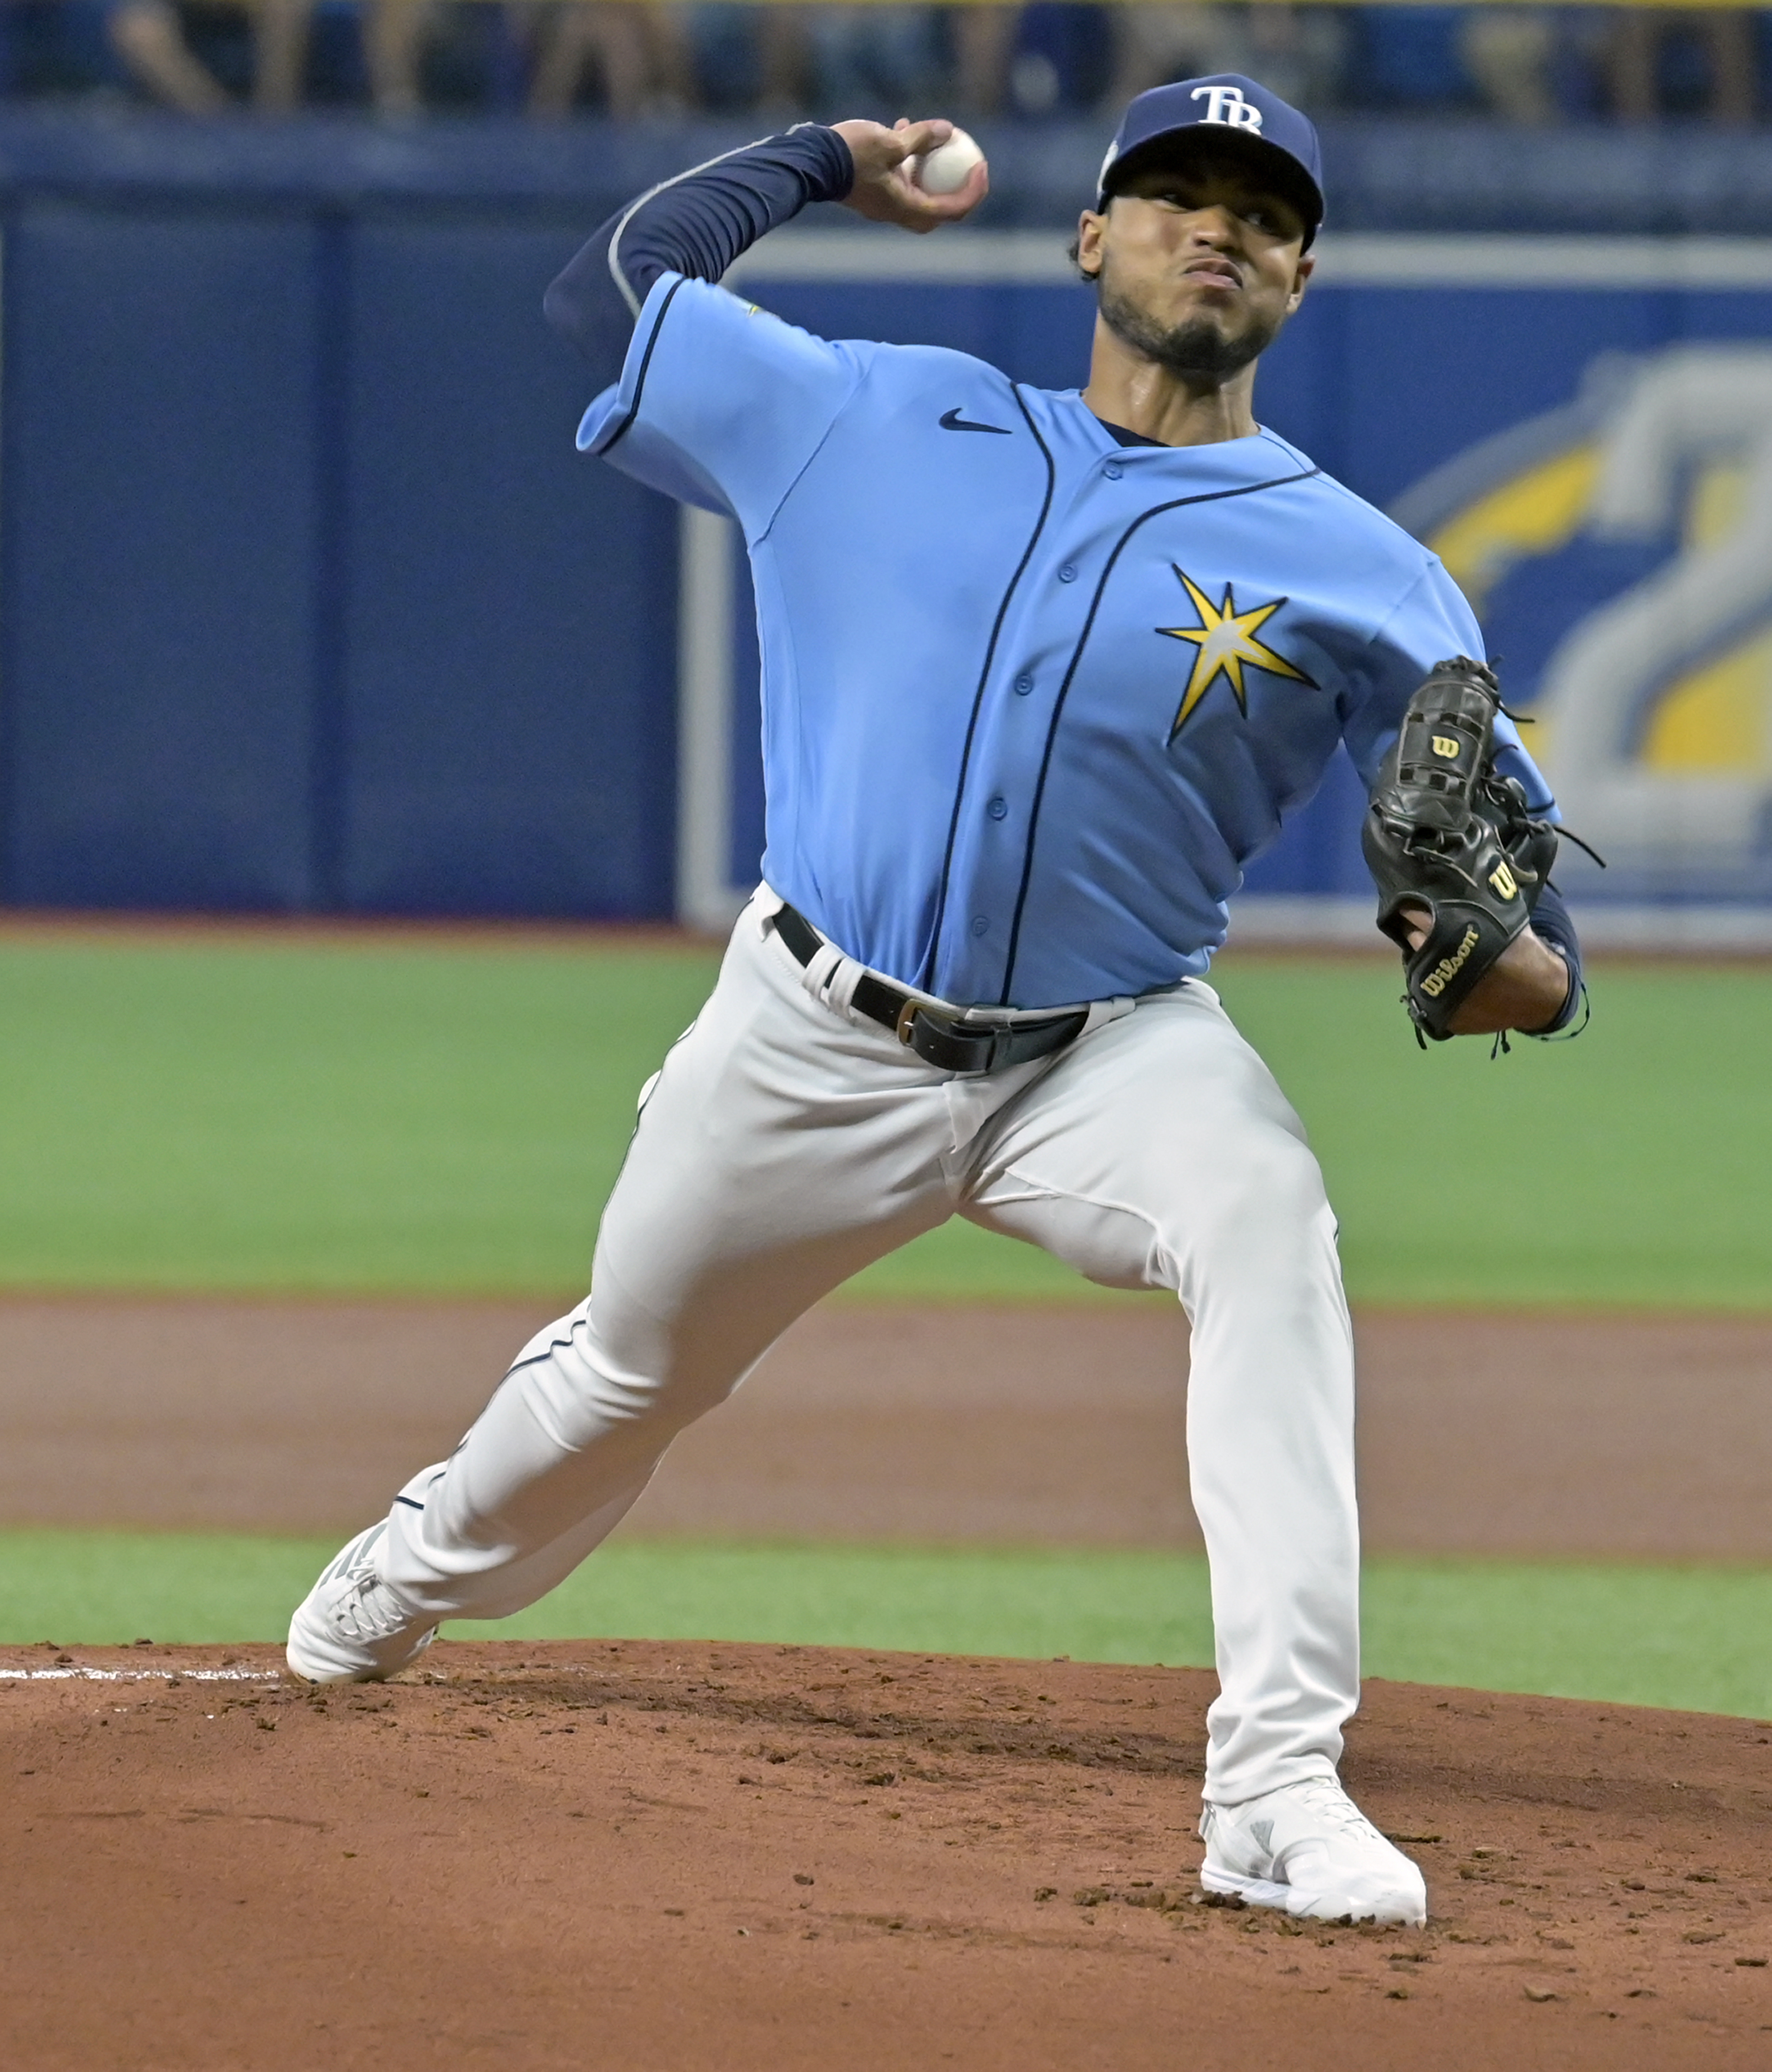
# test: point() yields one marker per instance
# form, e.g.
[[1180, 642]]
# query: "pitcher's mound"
[[673, 1857]]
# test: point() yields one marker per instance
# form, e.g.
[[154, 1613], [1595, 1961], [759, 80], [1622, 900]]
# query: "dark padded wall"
[[159, 529], [510, 642], [309, 603]]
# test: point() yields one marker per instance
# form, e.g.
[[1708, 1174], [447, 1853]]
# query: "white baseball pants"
[[786, 1144]]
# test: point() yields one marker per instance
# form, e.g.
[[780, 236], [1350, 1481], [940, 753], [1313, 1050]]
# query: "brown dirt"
[[730, 1857], [1578, 1436]]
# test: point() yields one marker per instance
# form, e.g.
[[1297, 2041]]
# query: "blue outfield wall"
[[306, 602], [508, 626], [161, 507]]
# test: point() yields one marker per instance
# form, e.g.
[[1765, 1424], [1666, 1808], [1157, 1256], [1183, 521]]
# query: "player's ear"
[[1087, 248], [1301, 274]]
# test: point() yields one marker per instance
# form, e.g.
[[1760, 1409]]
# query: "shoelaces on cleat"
[[359, 1619], [1333, 1803]]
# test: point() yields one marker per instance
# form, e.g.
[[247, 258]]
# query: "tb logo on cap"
[[1225, 105]]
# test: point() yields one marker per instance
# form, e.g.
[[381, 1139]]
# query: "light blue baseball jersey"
[[1031, 699]]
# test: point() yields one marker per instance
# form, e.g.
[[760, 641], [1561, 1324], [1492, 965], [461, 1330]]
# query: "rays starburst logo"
[[1225, 646]]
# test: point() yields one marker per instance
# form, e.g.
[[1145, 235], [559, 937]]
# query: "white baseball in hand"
[[944, 170]]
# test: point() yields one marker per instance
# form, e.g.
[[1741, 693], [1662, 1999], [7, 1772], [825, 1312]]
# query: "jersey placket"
[[1016, 733]]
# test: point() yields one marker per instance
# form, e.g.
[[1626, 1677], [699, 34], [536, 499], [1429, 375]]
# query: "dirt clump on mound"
[[646, 1855]]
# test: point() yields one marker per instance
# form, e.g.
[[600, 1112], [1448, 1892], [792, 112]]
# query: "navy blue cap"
[[1225, 106]]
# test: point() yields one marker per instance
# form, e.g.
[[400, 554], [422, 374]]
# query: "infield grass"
[[256, 1114], [1696, 1638]]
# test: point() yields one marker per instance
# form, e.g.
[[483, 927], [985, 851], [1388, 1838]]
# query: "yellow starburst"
[[1226, 639]]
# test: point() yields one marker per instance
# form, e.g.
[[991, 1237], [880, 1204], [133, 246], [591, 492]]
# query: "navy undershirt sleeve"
[[696, 224], [1552, 919]]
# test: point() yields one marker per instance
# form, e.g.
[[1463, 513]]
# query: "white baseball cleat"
[[351, 1628], [1308, 1849]]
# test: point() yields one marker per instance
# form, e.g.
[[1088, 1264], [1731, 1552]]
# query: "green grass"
[[217, 1115], [1633, 1165], [1692, 1637]]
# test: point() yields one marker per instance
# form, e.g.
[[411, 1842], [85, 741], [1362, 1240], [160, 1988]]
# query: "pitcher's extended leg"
[[782, 1148], [1158, 1153]]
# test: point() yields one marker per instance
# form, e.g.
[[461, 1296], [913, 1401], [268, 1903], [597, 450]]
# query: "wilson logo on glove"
[[1449, 968]]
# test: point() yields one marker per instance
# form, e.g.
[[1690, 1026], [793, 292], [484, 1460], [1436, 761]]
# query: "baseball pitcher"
[[1042, 673]]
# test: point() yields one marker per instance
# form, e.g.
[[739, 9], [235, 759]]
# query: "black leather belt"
[[953, 1041]]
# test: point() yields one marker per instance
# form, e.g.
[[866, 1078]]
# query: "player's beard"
[[1200, 351]]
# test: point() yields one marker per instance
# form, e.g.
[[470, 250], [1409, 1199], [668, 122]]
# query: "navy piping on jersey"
[[928, 979], [1156, 511], [535, 1359], [646, 361]]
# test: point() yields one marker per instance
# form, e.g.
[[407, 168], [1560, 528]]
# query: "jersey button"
[[1068, 573], [1024, 684], [998, 808], [1113, 471], [980, 924]]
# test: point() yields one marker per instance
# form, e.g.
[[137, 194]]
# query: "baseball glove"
[[1445, 833]]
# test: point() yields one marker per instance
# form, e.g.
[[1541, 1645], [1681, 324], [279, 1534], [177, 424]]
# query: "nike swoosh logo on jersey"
[[953, 421]]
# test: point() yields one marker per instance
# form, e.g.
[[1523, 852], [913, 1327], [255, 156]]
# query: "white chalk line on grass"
[[82, 1673]]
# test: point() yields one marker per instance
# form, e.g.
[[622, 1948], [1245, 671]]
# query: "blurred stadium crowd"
[[629, 59]]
